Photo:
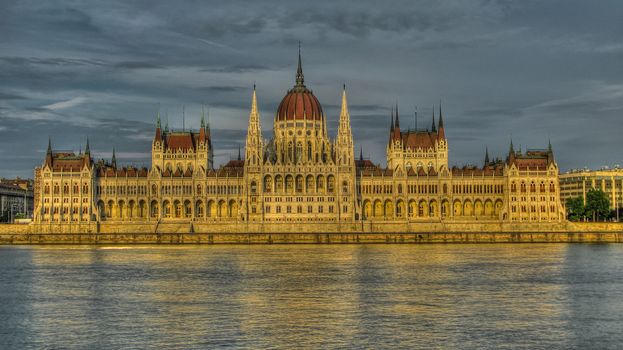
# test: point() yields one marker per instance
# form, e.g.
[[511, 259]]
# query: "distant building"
[[16, 199], [299, 175], [576, 183]]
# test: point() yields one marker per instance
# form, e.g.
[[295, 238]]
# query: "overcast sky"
[[533, 70]]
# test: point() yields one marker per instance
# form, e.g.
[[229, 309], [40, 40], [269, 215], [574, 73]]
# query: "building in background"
[[299, 175], [576, 183], [16, 199]]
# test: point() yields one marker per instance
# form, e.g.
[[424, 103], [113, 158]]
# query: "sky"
[[528, 70]]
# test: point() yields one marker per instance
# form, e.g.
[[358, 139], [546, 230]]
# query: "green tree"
[[575, 208], [597, 204]]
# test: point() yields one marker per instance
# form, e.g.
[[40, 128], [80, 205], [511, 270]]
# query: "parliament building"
[[299, 175]]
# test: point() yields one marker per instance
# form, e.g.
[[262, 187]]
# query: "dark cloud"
[[241, 68], [221, 89], [536, 70], [9, 96]]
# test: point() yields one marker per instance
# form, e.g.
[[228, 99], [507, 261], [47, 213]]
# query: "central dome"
[[299, 103]]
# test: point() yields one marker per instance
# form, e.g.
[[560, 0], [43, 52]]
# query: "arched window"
[[253, 187]]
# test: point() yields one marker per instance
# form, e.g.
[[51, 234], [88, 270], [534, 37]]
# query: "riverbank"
[[290, 233]]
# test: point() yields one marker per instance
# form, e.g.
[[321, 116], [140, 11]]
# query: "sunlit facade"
[[300, 175]]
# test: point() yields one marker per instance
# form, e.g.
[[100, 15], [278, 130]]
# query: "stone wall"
[[370, 232]]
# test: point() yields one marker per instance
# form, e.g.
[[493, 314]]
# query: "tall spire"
[[254, 147], [300, 79], [166, 125], [549, 145], [239, 156], [183, 118], [440, 116], [512, 148], [391, 125], [158, 118], [397, 124], [361, 153], [203, 123], [113, 161], [87, 149], [433, 128], [49, 151], [486, 156]]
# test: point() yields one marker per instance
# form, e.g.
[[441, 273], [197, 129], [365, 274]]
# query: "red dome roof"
[[300, 103]]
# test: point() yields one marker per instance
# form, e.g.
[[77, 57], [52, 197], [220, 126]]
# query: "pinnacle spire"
[[549, 145], [391, 125], [158, 118], [113, 161], [486, 156], [361, 153], [440, 116], [344, 110], [166, 125], [49, 145], [397, 121], [87, 149], [239, 156], [254, 101], [203, 123], [512, 148], [300, 79], [433, 129]]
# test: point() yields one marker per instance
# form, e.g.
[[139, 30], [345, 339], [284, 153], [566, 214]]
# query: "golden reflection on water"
[[308, 296]]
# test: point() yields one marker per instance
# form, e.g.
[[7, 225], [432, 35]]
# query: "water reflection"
[[313, 296]]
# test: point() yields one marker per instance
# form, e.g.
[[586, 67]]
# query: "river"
[[463, 296]]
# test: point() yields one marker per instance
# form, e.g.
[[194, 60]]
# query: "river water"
[[466, 296]]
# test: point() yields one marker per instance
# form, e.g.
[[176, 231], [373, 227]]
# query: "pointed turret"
[[397, 124], [391, 125], [254, 144], [487, 156], [344, 135], [113, 161], [87, 149], [511, 153], [202, 127], [300, 79], [442, 131], [158, 136], [48, 153], [433, 128], [550, 152]]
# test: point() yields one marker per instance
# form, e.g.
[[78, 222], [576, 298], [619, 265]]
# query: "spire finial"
[[158, 117], [361, 153], [391, 125], [49, 145], [486, 156], [549, 145], [397, 121], [239, 156], [166, 125], [87, 149], [434, 128], [183, 117], [203, 124], [114, 159], [300, 79], [440, 116], [512, 148]]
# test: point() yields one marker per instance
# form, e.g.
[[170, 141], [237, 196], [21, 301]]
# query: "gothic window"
[[309, 150], [345, 187], [330, 183], [268, 184], [299, 183], [253, 187], [523, 187]]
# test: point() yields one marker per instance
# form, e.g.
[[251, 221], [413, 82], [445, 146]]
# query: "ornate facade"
[[301, 175]]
